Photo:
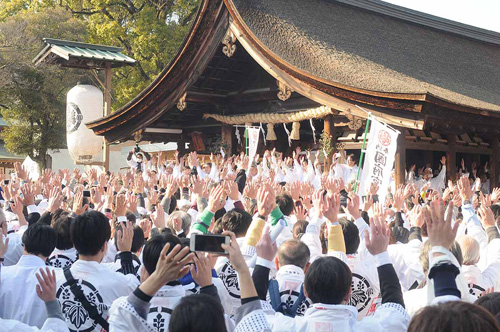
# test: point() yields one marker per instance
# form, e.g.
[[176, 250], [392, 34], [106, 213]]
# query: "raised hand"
[[168, 268], [331, 207], [353, 206], [132, 202], [78, 207], [121, 206], [125, 237], [21, 171], [300, 212], [28, 197], [201, 270], [250, 190], [485, 212], [232, 190], [495, 195], [158, 218], [464, 188], [235, 257], [439, 226], [416, 216], [398, 199], [55, 200], [378, 241], [266, 200], [46, 288], [216, 200]]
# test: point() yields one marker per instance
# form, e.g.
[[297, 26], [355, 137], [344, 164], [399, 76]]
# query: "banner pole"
[[362, 153], [246, 140]]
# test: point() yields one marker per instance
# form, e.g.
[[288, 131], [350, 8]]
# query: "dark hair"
[[131, 217], [490, 302], [208, 312], [89, 232], [39, 239], [328, 280], [153, 248], [353, 157], [299, 229], [351, 236], [453, 316], [285, 203], [137, 240], [62, 226], [294, 252], [236, 221]]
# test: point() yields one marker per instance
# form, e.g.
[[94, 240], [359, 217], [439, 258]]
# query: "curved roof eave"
[[193, 55]]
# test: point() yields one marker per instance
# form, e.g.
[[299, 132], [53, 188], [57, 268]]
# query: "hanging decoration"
[[295, 134], [263, 133], [271, 135], [288, 134], [284, 91], [84, 104], [313, 129], [238, 137], [312, 113]]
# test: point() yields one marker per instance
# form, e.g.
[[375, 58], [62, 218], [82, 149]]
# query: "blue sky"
[[480, 13]]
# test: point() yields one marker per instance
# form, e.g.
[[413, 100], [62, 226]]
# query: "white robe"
[[18, 298], [100, 284], [326, 317], [50, 325]]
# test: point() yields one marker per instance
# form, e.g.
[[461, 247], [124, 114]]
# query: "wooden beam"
[[227, 138], [400, 160], [329, 130]]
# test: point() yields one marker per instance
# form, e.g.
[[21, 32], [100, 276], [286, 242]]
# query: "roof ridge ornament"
[[284, 91], [229, 42]]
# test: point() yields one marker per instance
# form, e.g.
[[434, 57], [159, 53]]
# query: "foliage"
[[150, 31], [33, 98], [325, 142]]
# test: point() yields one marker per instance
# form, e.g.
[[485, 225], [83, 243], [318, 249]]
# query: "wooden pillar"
[[181, 145], [400, 160], [107, 111], [329, 130], [451, 157], [494, 159], [227, 138]]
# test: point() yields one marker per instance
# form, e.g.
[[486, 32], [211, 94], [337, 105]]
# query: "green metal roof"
[[68, 50]]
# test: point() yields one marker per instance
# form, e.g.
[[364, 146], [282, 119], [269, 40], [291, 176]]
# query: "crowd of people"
[[94, 251]]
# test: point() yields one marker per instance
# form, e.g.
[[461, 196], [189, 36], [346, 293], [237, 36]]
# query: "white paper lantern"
[[84, 104]]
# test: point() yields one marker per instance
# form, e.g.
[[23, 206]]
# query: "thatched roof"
[[348, 43]]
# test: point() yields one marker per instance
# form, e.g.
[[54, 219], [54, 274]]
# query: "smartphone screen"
[[86, 193], [209, 243], [6, 182]]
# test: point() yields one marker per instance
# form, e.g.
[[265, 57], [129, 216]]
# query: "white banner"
[[379, 159], [32, 168], [253, 142]]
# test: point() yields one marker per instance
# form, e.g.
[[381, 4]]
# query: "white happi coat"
[[229, 276], [63, 258], [100, 285], [365, 286], [18, 298], [329, 318], [290, 279], [162, 305], [50, 325]]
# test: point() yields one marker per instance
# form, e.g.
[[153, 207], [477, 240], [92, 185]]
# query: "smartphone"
[[105, 189], [6, 182], [208, 243], [86, 193]]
